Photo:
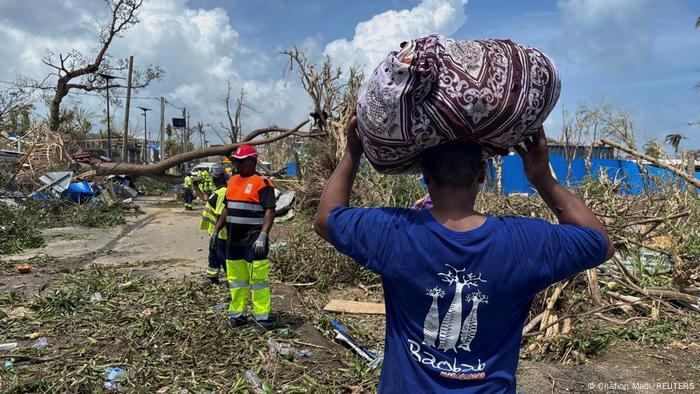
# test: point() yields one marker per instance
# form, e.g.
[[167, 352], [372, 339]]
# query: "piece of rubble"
[[346, 306], [23, 268]]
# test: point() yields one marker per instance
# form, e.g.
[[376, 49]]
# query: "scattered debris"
[[33, 335], [254, 380], [23, 268], [8, 345], [8, 364], [345, 306], [287, 216], [41, 343], [343, 335], [97, 297], [305, 353], [112, 373], [284, 203], [58, 182], [283, 349]]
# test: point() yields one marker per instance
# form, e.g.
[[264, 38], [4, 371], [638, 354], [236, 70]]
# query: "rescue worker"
[[200, 185], [208, 183], [217, 246], [248, 215], [188, 187]]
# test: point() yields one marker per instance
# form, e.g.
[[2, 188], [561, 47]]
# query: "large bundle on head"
[[437, 89]]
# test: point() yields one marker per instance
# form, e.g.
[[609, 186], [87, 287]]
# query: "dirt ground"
[[164, 241]]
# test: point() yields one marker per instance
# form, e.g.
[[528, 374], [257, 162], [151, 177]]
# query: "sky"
[[637, 56]]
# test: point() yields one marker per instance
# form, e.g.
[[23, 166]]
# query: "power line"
[[94, 94], [173, 105]]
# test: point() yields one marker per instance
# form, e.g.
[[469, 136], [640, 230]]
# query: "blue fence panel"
[[627, 172], [514, 180]]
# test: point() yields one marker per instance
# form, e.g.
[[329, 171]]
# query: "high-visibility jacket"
[[243, 199], [200, 180], [208, 180], [211, 212], [188, 182]]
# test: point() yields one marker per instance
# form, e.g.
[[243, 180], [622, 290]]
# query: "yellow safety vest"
[[208, 181], [211, 214], [188, 182]]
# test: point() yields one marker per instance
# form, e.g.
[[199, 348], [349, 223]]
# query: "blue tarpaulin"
[[633, 181], [79, 191], [291, 169]]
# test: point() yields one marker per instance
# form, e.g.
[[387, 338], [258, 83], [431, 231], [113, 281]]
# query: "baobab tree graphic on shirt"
[[470, 323], [431, 325], [451, 325]]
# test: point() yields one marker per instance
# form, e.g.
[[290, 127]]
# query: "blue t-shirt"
[[456, 302]]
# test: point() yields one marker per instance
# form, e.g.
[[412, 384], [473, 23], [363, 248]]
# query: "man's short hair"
[[453, 164]]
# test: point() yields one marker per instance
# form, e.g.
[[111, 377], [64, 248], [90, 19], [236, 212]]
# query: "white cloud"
[[613, 35], [375, 38], [198, 48]]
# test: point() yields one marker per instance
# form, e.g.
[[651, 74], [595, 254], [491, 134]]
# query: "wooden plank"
[[346, 306]]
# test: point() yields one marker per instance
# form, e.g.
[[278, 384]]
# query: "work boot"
[[263, 325], [214, 280], [234, 322]]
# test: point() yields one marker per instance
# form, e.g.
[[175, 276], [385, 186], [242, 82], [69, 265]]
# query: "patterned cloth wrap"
[[437, 89]]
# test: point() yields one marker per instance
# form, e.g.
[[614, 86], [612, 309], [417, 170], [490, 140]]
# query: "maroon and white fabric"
[[437, 89]]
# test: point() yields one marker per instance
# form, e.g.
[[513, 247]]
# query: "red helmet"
[[245, 151]]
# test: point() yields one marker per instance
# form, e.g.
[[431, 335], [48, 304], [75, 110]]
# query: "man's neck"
[[454, 208], [247, 175]]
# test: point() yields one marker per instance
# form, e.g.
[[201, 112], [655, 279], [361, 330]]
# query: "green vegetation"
[[20, 227], [163, 333]]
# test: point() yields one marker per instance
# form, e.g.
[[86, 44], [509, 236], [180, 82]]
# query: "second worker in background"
[[248, 216]]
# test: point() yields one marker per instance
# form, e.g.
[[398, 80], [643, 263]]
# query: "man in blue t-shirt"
[[458, 285]]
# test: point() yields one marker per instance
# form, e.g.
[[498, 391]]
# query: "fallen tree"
[[658, 163], [157, 170]]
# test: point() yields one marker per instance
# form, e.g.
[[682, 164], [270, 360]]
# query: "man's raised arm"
[[567, 207], [339, 185]]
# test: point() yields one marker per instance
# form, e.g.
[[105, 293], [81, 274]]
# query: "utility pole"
[[185, 137], [162, 128], [125, 137], [188, 128], [145, 134]]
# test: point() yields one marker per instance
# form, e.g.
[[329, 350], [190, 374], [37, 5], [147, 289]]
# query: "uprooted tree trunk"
[[157, 170]]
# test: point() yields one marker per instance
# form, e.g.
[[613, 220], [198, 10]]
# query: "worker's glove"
[[260, 245], [212, 239]]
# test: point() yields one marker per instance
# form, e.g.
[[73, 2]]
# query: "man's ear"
[[482, 172]]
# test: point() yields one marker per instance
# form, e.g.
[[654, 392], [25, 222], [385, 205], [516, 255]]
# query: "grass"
[[20, 226], [307, 258], [164, 333], [592, 337], [7, 267]]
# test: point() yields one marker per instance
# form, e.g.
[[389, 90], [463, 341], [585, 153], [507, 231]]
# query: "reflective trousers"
[[189, 196], [244, 277], [217, 258]]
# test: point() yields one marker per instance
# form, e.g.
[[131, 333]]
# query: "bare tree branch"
[[157, 170], [123, 14]]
